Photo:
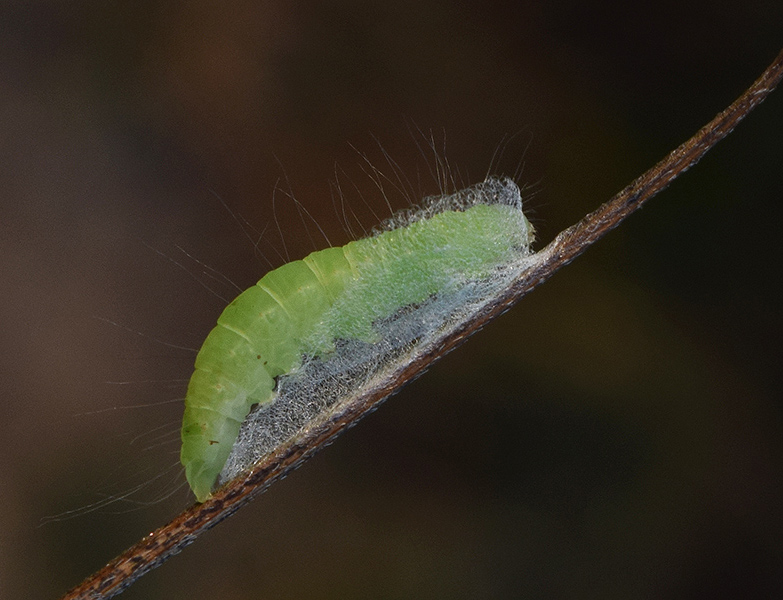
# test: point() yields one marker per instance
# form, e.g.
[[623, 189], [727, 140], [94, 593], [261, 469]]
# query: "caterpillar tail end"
[[206, 445], [201, 479]]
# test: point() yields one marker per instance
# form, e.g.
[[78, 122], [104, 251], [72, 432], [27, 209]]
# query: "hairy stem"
[[165, 542]]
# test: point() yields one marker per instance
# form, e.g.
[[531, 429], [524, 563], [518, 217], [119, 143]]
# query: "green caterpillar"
[[300, 310]]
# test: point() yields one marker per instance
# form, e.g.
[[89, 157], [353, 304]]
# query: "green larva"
[[320, 318]]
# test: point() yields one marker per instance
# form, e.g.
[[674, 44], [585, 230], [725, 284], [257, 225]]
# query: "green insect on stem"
[[301, 308]]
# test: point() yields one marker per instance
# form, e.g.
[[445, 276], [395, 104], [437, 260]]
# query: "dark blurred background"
[[616, 435]]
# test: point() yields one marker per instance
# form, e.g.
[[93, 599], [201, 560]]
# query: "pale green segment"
[[302, 307], [407, 265]]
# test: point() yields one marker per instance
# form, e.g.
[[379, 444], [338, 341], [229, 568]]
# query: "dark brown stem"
[[160, 545]]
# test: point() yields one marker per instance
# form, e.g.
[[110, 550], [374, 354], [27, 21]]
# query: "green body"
[[301, 308]]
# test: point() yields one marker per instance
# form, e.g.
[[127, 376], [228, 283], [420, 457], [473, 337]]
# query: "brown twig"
[[160, 545]]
